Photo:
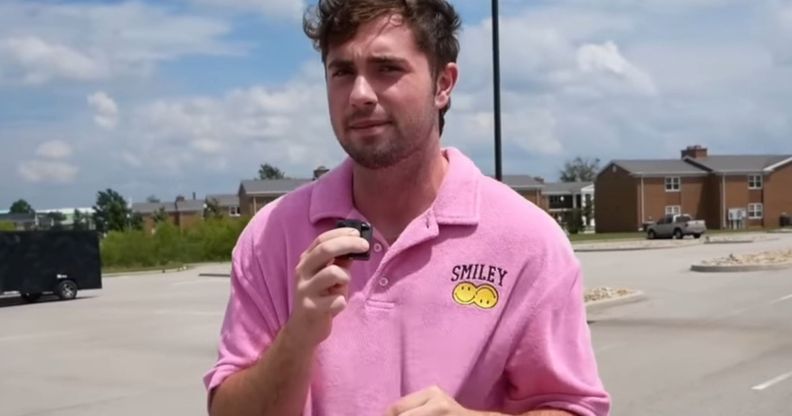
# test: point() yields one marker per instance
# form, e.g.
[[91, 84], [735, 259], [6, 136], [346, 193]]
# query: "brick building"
[[727, 191]]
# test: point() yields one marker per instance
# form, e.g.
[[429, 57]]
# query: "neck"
[[392, 197]]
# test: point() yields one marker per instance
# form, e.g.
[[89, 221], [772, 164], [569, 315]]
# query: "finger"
[[410, 402], [327, 278], [331, 234], [327, 251], [332, 304]]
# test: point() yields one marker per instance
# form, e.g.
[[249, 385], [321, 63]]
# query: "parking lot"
[[700, 344]]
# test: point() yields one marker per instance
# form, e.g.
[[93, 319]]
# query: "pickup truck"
[[676, 226]]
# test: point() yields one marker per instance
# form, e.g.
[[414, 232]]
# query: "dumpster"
[[40, 262], [785, 220]]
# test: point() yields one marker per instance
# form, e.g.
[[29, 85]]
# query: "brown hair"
[[435, 24]]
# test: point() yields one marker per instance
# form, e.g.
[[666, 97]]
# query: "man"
[[471, 301]]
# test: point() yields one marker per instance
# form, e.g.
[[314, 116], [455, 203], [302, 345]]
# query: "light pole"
[[496, 88]]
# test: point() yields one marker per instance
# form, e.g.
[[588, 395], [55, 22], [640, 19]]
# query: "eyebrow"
[[377, 59]]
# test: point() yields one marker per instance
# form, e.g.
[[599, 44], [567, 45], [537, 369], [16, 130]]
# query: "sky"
[[168, 98]]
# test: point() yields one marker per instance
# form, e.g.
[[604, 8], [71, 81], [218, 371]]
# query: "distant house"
[[254, 194], [183, 212], [562, 197], [47, 218], [228, 204], [529, 187], [22, 222], [733, 191]]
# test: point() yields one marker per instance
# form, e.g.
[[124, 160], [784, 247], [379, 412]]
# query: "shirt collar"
[[457, 200]]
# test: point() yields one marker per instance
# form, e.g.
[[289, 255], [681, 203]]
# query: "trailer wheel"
[[31, 297], [66, 290]]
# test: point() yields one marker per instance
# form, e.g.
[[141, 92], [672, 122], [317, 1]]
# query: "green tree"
[[152, 199], [267, 171], [21, 207], [580, 170], [56, 220], [111, 212], [136, 222], [79, 221], [213, 209], [160, 216]]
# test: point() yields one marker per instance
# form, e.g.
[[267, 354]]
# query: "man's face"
[[381, 94]]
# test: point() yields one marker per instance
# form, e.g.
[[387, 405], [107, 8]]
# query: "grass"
[[607, 236], [134, 269], [594, 237]]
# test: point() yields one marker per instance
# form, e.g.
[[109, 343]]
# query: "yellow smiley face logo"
[[464, 293], [486, 297]]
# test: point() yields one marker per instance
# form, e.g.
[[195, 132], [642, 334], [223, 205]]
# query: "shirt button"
[[377, 247], [383, 281]]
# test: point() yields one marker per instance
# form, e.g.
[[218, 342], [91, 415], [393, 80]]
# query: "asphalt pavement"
[[700, 344]]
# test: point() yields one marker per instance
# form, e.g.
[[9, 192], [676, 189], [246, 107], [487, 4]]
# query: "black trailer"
[[60, 262]]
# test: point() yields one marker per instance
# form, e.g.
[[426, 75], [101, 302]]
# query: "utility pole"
[[496, 88]]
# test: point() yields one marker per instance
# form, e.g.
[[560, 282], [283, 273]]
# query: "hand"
[[322, 285], [429, 402]]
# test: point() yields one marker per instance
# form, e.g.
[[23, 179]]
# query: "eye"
[[341, 73], [389, 68]]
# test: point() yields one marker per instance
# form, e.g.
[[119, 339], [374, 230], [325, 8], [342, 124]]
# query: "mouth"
[[369, 124]]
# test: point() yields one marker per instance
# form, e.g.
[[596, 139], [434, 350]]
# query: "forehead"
[[386, 35]]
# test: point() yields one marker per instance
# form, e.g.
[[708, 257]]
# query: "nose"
[[362, 94]]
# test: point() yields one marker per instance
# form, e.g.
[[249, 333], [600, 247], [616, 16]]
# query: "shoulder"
[[519, 219]]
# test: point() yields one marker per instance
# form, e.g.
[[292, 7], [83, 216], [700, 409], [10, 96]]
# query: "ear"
[[446, 80]]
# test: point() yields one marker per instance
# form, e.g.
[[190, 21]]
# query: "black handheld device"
[[366, 231]]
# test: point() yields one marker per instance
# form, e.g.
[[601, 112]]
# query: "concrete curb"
[[607, 249], [739, 268], [148, 272], [214, 274], [599, 305], [731, 242]]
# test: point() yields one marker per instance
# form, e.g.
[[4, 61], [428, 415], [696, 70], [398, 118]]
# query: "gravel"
[[602, 293], [767, 257]]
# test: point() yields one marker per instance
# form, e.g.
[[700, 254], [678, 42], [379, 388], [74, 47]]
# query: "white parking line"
[[33, 336], [192, 282], [772, 381], [787, 297], [189, 313]]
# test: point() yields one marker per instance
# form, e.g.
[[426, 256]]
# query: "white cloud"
[[105, 109], [274, 8], [288, 124], [38, 171], [608, 59], [41, 42], [55, 149], [40, 61]]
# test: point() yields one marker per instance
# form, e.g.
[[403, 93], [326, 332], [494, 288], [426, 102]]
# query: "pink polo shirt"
[[481, 295]]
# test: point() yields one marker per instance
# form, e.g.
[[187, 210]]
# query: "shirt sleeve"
[[251, 319], [553, 365]]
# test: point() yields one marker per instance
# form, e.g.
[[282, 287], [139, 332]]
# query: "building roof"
[[18, 218], [739, 163], [224, 200], [152, 207], [564, 187], [271, 186], [522, 182], [190, 205], [649, 167]]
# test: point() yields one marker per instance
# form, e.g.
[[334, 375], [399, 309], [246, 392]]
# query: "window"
[[673, 210], [672, 183], [754, 181], [234, 211], [755, 211]]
